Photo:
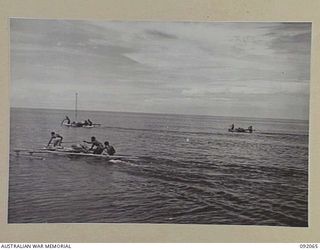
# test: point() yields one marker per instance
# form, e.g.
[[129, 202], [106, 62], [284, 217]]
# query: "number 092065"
[[309, 246]]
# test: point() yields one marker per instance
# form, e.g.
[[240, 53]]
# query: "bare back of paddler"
[[97, 146]]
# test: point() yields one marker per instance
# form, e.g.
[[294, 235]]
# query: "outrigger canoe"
[[65, 152], [239, 130], [76, 125]]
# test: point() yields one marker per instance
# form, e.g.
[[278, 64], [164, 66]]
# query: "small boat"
[[84, 124]]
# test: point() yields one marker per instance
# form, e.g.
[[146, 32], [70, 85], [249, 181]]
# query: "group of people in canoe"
[[85, 123], [243, 130], [96, 146]]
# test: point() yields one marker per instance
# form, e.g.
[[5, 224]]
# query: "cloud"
[[194, 66]]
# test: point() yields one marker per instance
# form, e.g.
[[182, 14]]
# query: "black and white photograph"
[[159, 122]]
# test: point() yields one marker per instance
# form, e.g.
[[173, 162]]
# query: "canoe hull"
[[66, 152], [239, 131]]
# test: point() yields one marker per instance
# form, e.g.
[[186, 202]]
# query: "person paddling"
[[110, 149], [56, 139], [97, 146], [66, 119]]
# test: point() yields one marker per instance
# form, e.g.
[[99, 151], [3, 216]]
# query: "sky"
[[248, 69]]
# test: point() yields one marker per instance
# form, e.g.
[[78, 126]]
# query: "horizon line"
[[159, 113]]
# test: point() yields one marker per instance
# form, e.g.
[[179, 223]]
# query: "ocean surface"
[[174, 169]]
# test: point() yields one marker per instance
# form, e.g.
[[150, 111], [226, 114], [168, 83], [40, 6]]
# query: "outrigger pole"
[[76, 108]]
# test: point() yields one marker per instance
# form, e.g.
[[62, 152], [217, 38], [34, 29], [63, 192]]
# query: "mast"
[[76, 108]]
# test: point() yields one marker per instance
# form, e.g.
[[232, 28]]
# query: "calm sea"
[[176, 169]]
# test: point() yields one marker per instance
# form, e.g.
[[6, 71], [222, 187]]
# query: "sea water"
[[173, 169]]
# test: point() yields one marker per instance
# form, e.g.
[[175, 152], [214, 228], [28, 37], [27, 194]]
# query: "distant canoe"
[[240, 130], [78, 125]]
